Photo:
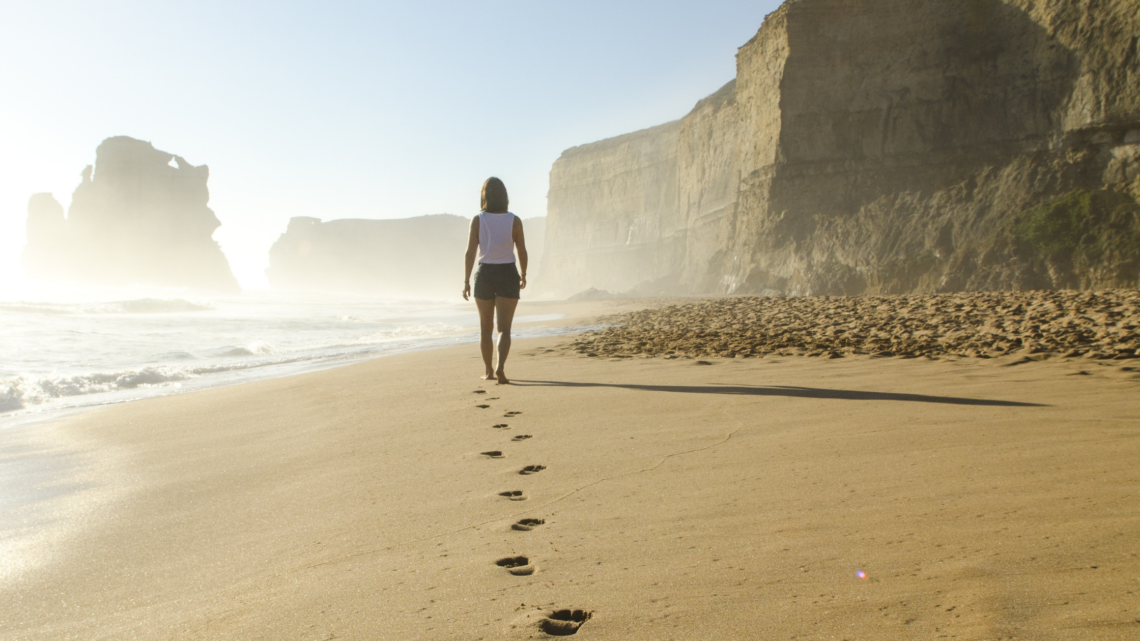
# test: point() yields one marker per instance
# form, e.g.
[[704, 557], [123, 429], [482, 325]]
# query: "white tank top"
[[496, 238]]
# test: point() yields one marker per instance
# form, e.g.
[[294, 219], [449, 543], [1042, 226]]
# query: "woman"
[[496, 234]]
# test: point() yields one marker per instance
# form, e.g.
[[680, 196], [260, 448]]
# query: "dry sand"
[[736, 500]]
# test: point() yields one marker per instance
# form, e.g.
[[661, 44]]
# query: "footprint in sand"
[[526, 525], [479, 391], [499, 426], [482, 407], [561, 623], [514, 495], [520, 437], [512, 413], [516, 565], [532, 469], [492, 454]]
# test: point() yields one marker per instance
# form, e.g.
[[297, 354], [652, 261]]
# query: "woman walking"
[[495, 234]]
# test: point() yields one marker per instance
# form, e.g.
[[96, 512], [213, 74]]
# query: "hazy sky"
[[343, 109]]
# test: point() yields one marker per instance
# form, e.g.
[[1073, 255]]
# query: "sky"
[[343, 109]]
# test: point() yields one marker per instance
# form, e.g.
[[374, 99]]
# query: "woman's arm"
[[469, 257], [520, 245]]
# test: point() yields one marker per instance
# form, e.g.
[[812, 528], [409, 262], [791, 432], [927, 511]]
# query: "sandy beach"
[[780, 497]]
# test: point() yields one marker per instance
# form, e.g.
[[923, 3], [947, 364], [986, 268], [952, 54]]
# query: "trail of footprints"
[[562, 622]]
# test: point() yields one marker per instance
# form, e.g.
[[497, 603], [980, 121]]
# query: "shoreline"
[[572, 315], [737, 499], [40, 491]]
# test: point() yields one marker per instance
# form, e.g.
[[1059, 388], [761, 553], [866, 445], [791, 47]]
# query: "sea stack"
[[139, 217]]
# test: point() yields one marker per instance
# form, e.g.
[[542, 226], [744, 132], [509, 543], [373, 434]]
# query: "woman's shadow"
[[789, 391]]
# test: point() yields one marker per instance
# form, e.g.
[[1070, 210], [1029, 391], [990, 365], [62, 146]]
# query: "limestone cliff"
[[413, 257], [140, 216], [605, 211], [878, 146]]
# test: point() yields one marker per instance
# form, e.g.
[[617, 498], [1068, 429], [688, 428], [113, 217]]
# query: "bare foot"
[[502, 378], [488, 376]]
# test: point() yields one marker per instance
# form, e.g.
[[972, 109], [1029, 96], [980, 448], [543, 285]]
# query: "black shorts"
[[493, 280]]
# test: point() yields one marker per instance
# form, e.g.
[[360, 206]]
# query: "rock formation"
[[140, 217], [420, 256], [413, 257], [877, 146]]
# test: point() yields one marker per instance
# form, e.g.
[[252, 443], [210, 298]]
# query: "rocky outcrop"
[[140, 217], [419, 257], [878, 146], [534, 230]]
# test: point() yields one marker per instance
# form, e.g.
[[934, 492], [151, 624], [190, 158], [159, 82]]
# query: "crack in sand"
[[727, 438]]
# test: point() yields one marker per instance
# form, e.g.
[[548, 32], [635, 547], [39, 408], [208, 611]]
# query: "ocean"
[[118, 346]]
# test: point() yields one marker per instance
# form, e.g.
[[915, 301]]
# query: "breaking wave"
[[138, 306], [20, 392]]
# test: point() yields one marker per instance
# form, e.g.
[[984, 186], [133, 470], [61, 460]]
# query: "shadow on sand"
[[784, 390]]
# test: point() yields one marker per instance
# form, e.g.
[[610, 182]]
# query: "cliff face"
[[607, 205], [413, 257], [888, 146], [140, 216]]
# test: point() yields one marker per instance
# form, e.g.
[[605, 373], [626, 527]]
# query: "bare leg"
[[486, 329], [505, 311]]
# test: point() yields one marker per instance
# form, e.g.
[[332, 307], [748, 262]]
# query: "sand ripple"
[[1102, 325]]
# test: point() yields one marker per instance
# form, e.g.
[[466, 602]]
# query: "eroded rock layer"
[[878, 146], [140, 217]]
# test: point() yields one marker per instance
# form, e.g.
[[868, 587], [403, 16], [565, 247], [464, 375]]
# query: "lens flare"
[[861, 574]]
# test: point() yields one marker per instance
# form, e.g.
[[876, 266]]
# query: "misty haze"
[[741, 320]]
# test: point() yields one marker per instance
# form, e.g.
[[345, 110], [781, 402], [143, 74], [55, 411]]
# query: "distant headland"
[[416, 257]]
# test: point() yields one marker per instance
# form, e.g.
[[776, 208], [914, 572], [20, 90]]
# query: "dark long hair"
[[493, 199]]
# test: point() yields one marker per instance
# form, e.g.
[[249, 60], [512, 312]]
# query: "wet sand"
[[618, 498]]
